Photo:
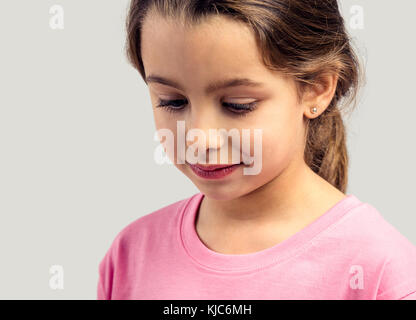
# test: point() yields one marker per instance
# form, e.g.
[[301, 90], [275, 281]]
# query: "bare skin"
[[258, 227], [239, 214]]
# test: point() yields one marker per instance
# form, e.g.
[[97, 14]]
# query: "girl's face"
[[190, 60]]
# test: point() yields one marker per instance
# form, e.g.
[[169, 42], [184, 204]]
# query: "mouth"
[[214, 171], [214, 167]]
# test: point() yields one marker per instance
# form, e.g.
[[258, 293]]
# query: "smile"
[[213, 171]]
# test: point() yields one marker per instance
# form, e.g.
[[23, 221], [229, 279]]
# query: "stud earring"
[[314, 110]]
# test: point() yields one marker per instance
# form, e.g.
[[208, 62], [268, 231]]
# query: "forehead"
[[216, 47]]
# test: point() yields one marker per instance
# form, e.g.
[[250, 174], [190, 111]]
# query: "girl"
[[289, 231]]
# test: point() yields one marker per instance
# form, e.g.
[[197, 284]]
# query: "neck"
[[283, 198]]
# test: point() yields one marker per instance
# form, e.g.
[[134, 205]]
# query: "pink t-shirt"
[[349, 252]]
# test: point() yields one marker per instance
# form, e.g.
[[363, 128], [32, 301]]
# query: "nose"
[[204, 134]]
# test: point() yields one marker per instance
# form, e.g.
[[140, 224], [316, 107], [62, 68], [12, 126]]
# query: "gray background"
[[76, 137]]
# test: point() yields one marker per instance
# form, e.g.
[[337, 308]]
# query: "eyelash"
[[244, 108]]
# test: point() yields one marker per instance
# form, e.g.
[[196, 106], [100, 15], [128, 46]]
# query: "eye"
[[239, 109], [171, 105]]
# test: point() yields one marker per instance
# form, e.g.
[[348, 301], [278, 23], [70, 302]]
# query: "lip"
[[213, 167], [214, 171]]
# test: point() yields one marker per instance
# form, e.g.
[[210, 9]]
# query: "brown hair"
[[302, 38]]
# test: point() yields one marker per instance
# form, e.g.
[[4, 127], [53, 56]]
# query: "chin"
[[226, 193]]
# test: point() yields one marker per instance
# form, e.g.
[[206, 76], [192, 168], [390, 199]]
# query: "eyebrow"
[[222, 84]]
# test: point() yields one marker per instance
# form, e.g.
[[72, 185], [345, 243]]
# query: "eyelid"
[[163, 102], [244, 111], [241, 101], [222, 100]]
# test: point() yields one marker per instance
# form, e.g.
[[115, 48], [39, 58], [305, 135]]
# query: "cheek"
[[275, 150], [166, 128], [160, 119], [280, 139], [164, 120]]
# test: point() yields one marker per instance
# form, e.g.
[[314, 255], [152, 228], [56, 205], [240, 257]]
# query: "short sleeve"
[[411, 296], [105, 275], [398, 280], [404, 290], [101, 294]]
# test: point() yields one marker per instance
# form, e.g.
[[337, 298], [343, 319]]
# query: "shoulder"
[[362, 230], [141, 235], [375, 241], [367, 225], [398, 274], [154, 224]]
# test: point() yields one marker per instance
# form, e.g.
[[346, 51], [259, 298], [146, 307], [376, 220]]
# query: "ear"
[[320, 94]]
